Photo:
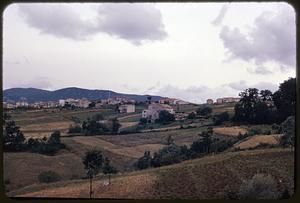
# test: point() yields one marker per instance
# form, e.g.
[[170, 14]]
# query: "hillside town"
[[86, 103]]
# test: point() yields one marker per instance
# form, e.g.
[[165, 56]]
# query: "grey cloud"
[[132, 22], [57, 19], [240, 85], [219, 19], [272, 39]]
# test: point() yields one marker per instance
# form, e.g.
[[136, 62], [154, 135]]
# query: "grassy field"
[[205, 178]]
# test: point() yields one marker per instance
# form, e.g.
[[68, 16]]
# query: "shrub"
[[98, 117], [191, 116], [260, 186], [165, 117], [254, 131], [288, 129], [13, 137], [220, 118], [48, 177], [204, 111], [75, 129], [143, 121]]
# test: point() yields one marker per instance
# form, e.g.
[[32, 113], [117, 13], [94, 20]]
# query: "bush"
[[13, 137], [288, 129], [191, 116], [220, 118], [165, 117], [204, 111], [75, 129], [49, 177], [143, 121], [260, 186], [98, 117], [45, 146], [254, 131]]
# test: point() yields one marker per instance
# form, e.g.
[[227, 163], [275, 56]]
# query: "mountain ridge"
[[35, 94]]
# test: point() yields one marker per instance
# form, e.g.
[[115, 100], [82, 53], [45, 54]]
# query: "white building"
[[22, 104], [84, 103], [61, 102], [152, 113], [227, 100], [7, 105], [127, 108]]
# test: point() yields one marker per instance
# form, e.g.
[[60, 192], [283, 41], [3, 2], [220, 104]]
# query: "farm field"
[[187, 180]]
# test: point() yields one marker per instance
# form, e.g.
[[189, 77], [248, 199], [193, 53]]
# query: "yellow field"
[[230, 131], [258, 139]]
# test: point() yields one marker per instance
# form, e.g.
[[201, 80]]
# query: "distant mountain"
[[34, 94]]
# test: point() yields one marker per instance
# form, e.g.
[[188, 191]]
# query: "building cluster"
[[223, 100], [24, 104], [81, 103], [172, 101]]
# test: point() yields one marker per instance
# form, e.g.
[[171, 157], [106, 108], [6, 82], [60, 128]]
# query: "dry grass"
[[22, 169], [132, 152], [204, 178], [258, 139], [127, 124], [230, 131]]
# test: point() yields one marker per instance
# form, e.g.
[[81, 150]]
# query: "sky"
[[190, 51]]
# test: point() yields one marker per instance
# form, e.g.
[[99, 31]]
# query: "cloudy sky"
[[191, 51]]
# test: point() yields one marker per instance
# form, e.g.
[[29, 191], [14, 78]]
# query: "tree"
[[288, 130], [204, 111], [266, 95], [13, 137], [260, 186], [149, 99], [93, 162], [108, 169], [170, 140], [244, 109], [165, 117], [285, 99], [145, 161], [207, 139], [115, 126], [262, 113], [54, 138], [220, 118], [253, 109]]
